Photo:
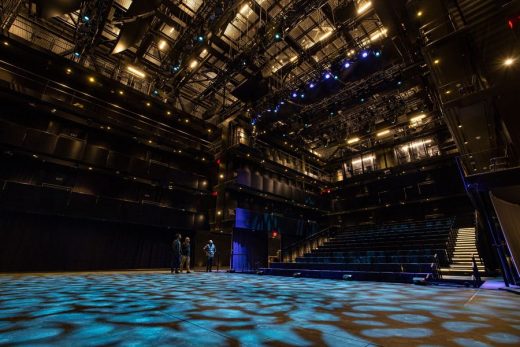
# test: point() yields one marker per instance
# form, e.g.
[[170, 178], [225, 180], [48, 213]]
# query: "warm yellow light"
[[219, 213], [364, 159], [379, 34], [162, 44], [364, 7], [221, 176], [69, 71], [91, 79], [187, 120], [168, 113], [448, 92], [135, 71], [193, 64], [353, 140], [244, 9], [121, 92], [148, 104], [325, 35], [383, 133], [210, 131], [417, 118], [419, 14], [509, 61], [436, 61]]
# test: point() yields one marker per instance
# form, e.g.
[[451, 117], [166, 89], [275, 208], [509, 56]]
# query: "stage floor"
[[219, 309]]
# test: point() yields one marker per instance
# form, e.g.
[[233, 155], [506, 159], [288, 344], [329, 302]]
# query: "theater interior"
[[356, 164]]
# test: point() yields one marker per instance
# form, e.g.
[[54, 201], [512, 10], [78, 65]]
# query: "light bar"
[[377, 35], [353, 140], [135, 71], [364, 159], [416, 144], [364, 7], [383, 133], [417, 118]]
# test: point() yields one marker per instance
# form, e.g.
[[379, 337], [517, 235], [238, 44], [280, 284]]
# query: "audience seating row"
[[411, 248]]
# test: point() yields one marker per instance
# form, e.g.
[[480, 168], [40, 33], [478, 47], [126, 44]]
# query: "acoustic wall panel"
[[69, 148], [96, 155], [12, 134], [40, 141]]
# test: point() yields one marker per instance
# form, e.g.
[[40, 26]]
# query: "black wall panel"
[[96, 155], [40, 141], [69, 148], [12, 134]]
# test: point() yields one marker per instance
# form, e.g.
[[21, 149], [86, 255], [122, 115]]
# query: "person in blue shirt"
[[210, 249], [176, 254]]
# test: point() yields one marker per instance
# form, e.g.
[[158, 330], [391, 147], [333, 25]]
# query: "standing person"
[[176, 255], [210, 253], [186, 252]]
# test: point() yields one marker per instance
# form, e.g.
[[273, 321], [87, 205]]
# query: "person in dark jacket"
[[210, 249], [176, 254], [186, 253]]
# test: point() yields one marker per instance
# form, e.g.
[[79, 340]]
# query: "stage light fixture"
[[148, 104], [77, 54], [91, 79], [86, 18], [294, 94], [417, 118], [168, 113], [162, 44], [200, 38], [383, 133], [353, 140], [311, 85], [327, 76], [121, 92], [6, 43], [68, 71], [364, 7], [277, 36], [436, 61], [508, 61], [364, 54], [135, 71], [346, 65], [193, 64], [302, 96], [419, 13]]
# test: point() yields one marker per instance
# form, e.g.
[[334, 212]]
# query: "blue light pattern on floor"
[[217, 309]]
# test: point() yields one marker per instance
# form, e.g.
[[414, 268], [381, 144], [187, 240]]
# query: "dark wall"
[[31, 242]]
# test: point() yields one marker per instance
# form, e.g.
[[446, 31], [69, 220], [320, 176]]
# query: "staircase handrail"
[[324, 232]]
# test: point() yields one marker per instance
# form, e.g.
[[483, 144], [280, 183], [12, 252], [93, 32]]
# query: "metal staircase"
[[461, 262]]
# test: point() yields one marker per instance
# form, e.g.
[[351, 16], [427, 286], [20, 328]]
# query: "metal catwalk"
[[219, 309]]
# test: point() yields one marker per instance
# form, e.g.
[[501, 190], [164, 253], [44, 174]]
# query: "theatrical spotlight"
[[347, 277], [327, 75], [364, 54], [346, 65], [297, 274], [377, 53], [294, 94], [311, 85]]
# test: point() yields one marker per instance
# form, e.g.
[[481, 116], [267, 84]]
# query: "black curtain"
[[31, 242]]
